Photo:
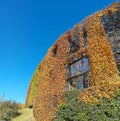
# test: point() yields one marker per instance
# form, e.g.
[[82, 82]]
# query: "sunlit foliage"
[[33, 88], [103, 72]]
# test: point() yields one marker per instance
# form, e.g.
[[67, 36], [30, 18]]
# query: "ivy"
[[76, 110]]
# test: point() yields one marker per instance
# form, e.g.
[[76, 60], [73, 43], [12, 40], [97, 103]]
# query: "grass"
[[26, 115]]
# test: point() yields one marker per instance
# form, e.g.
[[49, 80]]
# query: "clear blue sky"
[[27, 29]]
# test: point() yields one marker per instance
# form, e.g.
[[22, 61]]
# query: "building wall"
[[102, 66]]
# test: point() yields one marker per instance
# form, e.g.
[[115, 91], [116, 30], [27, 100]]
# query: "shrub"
[[71, 95], [76, 110], [8, 110]]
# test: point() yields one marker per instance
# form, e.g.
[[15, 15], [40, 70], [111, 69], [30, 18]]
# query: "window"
[[54, 51], [78, 74], [74, 42], [84, 36], [111, 24]]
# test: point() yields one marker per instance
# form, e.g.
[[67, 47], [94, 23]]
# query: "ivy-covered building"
[[86, 56]]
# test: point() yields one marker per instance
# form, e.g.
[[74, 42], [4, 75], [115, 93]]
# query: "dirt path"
[[26, 115]]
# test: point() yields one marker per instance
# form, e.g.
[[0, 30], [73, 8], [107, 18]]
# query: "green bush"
[[71, 95], [8, 110], [75, 110]]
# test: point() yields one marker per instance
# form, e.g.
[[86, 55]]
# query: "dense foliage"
[[103, 73], [76, 110], [8, 110], [33, 88]]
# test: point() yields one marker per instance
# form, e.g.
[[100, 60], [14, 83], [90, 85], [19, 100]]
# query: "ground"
[[26, 115]]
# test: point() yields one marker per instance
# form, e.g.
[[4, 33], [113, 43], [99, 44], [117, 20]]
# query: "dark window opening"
[[74, 43], [84, 36], [111, 24], [54, 51], [118, 65], [78, 74]]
